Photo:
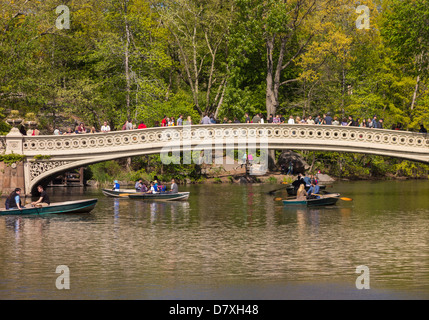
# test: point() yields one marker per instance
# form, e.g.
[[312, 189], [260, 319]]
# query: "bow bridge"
[[47, 156]]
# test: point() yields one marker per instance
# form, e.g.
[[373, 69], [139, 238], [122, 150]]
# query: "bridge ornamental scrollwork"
[[39, 167]]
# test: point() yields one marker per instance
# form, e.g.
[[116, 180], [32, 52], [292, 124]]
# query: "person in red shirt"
[[141, 125], [164, 122]]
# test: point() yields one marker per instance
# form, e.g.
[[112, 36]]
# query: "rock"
[[299, 165], [324, 177], [242, 180]]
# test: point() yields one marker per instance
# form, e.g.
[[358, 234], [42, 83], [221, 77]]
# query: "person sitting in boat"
[[152, 188], [13, 201], [144, 188], [313, 192], [307, 180], [298, 182], [174, 188], [301, 194], [138, 185], [116, 185], [43, 200]]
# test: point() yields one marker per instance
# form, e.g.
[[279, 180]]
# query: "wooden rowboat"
[[323, 200], [78, 206], [117, 194], [163, 196]]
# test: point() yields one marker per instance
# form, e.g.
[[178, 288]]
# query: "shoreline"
[[268, 178]]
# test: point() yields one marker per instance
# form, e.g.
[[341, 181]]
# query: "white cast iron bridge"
[[65, 152]]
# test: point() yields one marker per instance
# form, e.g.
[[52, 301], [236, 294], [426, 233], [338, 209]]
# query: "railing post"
[[12, 176], [14, 142]]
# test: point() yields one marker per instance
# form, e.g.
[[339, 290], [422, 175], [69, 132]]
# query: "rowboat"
[[323, 200], [292, 191], [78, 206], [117, 193], [163, 196]]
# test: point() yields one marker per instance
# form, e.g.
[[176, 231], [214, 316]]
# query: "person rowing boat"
[[314, 190]]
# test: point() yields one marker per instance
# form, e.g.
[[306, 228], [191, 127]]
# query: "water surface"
[[225, 242]]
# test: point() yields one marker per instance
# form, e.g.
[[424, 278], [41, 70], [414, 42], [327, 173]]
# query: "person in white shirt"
[[105, 127], [291, 121]]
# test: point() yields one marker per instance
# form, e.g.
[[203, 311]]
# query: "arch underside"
[[76, 161]]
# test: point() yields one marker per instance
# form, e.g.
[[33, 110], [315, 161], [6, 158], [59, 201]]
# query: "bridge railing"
[[76, 143]]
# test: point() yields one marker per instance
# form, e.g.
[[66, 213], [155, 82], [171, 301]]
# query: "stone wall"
[[11, 177]]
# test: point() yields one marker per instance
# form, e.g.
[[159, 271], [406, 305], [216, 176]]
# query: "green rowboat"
[[67, 207], [163, 196], [117, 193], [324, 200]]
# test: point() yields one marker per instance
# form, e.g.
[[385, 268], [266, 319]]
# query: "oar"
[[341, 198], [273, 191], [125, 194], [346, 199]]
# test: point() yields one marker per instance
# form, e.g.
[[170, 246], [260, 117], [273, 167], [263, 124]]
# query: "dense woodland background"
[[142, 59]]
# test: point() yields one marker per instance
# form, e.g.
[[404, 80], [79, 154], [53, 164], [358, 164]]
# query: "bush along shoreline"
[[327, 166]]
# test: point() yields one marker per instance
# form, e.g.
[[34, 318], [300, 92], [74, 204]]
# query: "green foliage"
[[4, 128], [42, 157], [217, 180], [11, 158], [272, 180], [361, 166]]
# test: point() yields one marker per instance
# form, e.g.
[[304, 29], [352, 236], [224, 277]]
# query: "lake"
[[227, 241]]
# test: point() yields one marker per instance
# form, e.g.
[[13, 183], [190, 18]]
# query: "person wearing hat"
[[13, 201], [116, 185]]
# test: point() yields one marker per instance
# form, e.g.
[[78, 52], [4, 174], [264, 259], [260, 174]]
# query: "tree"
[[408, 36], [199, 31]]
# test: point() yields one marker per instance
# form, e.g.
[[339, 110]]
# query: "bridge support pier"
[[11, 177]]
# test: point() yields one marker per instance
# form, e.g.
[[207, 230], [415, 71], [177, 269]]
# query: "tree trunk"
[[416, 89], [127, 71], [271, 103]]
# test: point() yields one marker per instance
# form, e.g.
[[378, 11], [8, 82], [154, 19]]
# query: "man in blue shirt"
[[307, 180], [328, 119], [205, 120], [314, 190]]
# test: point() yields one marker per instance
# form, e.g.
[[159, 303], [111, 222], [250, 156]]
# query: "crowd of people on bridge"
[[207, 119]]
